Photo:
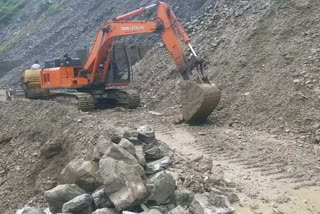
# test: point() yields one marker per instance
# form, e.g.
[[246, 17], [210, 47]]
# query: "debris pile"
[[129, 172]]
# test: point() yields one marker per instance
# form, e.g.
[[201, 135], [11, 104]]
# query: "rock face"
[[183, 196], [78, 204], [131, 135], [115, 135], [83, 173], [122, 183], [105, 211], [146, 134], [160, 187], [158, 165], [211, 203], [128, 146], [179, 210], [152, 211], [100, 199], [118, 153], [154, 153], [61, 194], [102, 146], [30, 210], [140, 155]]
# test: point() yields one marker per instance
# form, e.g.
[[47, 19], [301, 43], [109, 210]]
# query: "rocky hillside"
[[264, 55], [50, 28]]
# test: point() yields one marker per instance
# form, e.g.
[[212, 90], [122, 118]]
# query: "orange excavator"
[[99, 81]]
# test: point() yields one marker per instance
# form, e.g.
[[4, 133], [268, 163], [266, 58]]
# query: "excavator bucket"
[[198, 101]]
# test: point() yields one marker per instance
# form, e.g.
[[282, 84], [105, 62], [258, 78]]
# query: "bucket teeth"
[[198, 101]]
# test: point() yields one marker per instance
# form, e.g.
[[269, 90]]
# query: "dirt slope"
[[264, 55], [25, 128]]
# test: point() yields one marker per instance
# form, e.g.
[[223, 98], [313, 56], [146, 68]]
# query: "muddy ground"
[[270, 173], [263, 138]]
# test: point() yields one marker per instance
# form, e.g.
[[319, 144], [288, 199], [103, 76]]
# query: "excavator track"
[[83, 101], [123, 98], [134, 100]]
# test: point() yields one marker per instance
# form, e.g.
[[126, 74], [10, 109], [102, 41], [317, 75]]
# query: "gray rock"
[[118, 153], [158, 165], [132, 136], [50, 149], [47, 211], [140, 155], [101, 199], [128, 212], [154, 153], [115, 135], [160, 187], [61, 194], [83, 173], [105, 211], [183, 196], [233, 197], [128, 146], [179, 210], [146, 134], [161, 208], [211, 203], [152, 211], [102, 146], [30, 210], [122, 183], [77, 204]]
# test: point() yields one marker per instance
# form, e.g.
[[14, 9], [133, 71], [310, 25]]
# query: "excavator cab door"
[[120, 69]]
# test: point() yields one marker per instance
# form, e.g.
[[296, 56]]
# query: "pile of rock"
[[127, 174]]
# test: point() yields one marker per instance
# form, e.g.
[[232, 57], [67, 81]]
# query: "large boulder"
[[83, 173], [30, 210], [77, 204], [128, 146], [157, 165], [101, 199], [211, 203], [101, 147], [140, 155], [105, 211], [61, 194], [122, 183], [118, 153], [160, 187], [146, 134]]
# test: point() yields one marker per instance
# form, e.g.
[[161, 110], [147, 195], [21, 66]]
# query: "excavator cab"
[[120, 69]]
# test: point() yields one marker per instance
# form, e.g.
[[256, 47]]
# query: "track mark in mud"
[[268, 179]]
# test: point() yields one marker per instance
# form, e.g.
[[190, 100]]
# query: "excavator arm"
[[165, 24]]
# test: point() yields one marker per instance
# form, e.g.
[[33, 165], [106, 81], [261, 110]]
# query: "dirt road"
[[270, 173]]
